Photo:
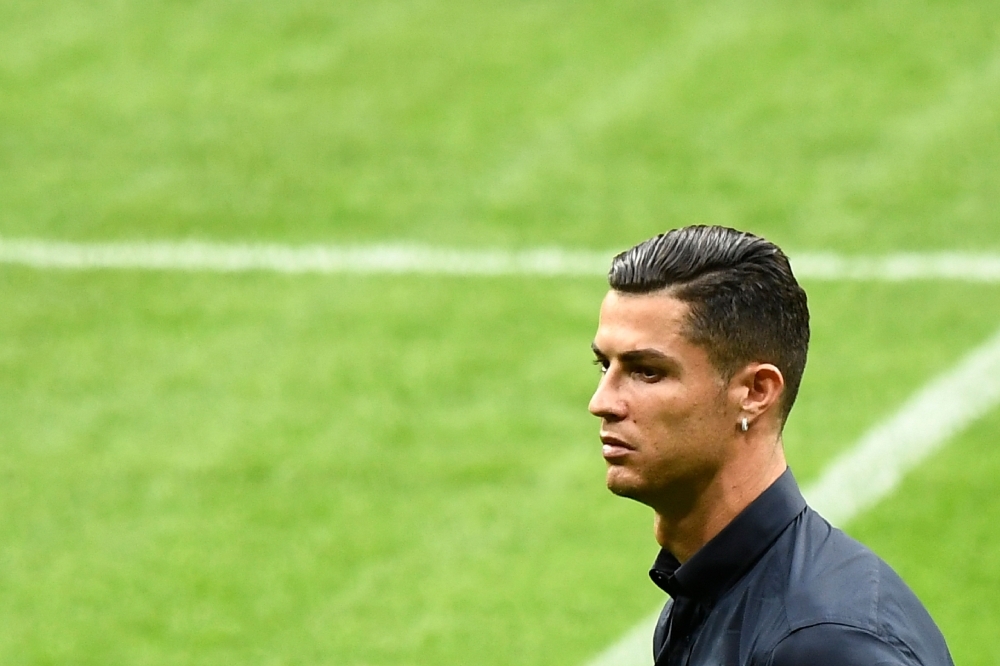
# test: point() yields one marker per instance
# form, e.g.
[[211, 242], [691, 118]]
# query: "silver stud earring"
[[744, 425]]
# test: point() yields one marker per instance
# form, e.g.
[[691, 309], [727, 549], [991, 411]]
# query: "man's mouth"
[[613, 448]]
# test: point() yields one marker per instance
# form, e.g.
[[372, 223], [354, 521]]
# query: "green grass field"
[[376, 470]]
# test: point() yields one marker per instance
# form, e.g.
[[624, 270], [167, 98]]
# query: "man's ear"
[[757, 388]]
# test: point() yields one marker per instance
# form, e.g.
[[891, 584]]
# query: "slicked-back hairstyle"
[[744, 303]]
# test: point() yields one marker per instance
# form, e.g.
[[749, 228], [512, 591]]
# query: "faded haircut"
[[745, 304]]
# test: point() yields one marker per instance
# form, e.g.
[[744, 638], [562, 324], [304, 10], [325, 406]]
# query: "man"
[[702, 343]]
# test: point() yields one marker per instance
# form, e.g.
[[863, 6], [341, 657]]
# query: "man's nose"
[[606, 403]]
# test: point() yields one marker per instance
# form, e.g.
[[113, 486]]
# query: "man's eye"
[[648, 374], [602, 364]]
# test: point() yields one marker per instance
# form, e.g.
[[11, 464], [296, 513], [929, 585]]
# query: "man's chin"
[[622, 482]]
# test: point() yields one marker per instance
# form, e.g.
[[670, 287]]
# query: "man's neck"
[[684, 525]]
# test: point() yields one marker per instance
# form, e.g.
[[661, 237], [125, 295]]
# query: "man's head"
[[745, 304], [703, 327]]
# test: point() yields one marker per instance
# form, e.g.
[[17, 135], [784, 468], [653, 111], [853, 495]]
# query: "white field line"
[[873, 467], [233, 258], [970, 267], [400, 259]]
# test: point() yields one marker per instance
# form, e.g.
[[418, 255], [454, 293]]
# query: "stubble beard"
[[622, 482]]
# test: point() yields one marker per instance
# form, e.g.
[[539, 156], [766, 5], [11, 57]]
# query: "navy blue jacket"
[[779, 586]]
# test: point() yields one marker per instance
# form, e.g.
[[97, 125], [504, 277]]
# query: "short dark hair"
[[745, 304]]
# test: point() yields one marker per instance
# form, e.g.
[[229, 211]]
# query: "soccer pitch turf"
[[366, 470]]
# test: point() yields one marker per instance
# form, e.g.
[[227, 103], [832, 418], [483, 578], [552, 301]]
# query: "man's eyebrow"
[[644, 355], [636, 355]]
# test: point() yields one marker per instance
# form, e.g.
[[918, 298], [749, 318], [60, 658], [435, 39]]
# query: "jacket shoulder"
[[835, 580], [832, 578]]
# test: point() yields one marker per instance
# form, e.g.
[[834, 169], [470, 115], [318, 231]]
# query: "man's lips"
[[612, 447]]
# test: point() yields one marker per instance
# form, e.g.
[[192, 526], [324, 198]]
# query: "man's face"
[[667, 419]]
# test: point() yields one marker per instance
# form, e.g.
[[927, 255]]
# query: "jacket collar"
[[722, 561]]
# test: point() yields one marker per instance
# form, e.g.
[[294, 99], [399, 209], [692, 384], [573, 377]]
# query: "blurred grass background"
[[860, 126], [400, 470]]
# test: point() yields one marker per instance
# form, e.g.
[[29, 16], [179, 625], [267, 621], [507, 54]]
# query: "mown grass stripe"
[[872, 468], [412, 258]]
